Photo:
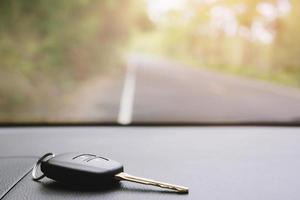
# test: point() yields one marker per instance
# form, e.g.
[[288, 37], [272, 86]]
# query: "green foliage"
[[49, 46], [193, 34]]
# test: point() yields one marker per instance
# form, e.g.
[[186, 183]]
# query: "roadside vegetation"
[[254, 38], [49, 47]]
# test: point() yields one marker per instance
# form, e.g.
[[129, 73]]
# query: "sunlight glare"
[[156, 8]]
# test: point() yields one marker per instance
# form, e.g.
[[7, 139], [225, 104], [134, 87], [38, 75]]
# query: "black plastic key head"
[[82, 170]]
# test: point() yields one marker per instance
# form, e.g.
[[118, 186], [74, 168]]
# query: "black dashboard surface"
[[214, 162]]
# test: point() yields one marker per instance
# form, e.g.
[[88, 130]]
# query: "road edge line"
[[127, 98]]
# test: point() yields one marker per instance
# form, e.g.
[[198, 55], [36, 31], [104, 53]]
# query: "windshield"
[[149, 61]]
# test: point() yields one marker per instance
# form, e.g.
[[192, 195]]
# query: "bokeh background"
[[49, 48]]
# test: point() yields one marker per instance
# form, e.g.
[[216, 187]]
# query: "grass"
[[280, 76]]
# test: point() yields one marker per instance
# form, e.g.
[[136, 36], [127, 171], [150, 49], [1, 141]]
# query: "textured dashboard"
[[215, 162], [12, 170]]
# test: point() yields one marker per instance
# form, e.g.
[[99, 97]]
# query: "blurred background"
[[66, 60]]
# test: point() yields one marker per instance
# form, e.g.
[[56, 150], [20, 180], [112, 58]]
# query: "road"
[[159, 91]]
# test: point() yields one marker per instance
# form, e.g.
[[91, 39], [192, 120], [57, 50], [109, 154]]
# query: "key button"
[[84, 157], [100, 159]]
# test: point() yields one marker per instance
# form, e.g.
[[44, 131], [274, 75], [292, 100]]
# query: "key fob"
[[82, 169], [90, 171]]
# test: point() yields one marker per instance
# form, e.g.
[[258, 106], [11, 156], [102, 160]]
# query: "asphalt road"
[[159, 91]]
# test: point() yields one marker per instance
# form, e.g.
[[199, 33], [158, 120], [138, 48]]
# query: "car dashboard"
[[230, 162]]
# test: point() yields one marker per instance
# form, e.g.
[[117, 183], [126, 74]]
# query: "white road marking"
[[127, 99]]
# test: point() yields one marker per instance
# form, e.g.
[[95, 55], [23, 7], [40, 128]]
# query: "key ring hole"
[[37, 166]]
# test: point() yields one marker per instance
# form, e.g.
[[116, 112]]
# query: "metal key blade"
[[127, 177]]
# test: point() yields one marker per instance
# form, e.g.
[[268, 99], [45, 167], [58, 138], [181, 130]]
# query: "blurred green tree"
[[47, 47]]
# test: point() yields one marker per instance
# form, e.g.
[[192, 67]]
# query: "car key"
[[90, 170]]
